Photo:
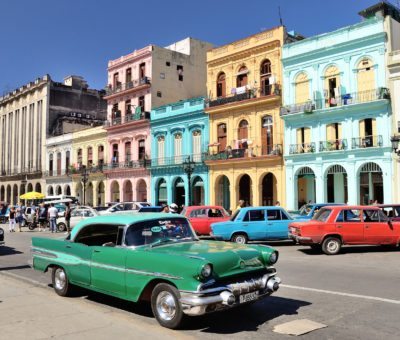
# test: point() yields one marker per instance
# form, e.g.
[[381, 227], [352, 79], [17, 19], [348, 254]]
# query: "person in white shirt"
[[53, 213]]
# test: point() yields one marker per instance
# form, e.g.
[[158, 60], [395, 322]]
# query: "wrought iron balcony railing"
[[127, 165], [337, 101], [20, 171], [128, 118], [295, 149], [244, 93], [256, 151], [176, 160], [127, 86], [367, 142], [333, 145]]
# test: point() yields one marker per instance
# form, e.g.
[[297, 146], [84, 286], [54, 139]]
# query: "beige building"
[[30, 114], [89, 153]]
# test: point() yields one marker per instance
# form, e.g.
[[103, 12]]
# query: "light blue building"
[[337, 116], [179, 140]]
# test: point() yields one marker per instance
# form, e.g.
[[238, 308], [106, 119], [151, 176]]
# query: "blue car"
[[254, 224], [307, 211]]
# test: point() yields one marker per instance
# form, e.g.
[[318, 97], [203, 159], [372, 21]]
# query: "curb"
[[24, 279]]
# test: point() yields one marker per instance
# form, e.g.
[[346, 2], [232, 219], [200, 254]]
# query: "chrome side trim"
[[43, 253], [157, 274]]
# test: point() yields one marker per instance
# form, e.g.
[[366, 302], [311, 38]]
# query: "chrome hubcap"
[[240, 239], [333, 246], [166, 306], [60, 279]]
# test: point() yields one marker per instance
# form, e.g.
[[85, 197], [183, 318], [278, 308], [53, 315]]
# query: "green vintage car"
[[158, 258]]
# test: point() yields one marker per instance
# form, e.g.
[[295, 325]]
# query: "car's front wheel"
[[239, 238], [166, 306], [331, 245], [60, 282]]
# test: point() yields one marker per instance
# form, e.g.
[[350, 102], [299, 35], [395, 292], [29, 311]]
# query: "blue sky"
[[62, 37]]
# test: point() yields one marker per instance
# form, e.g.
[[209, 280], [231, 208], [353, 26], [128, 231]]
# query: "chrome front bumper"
[[300, 239], [214, 299]]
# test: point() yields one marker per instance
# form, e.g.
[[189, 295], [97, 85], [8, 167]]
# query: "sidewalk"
[[31, 312]]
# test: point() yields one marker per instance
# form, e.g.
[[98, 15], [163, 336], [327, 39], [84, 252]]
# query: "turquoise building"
[[179, 140], [337, 116]]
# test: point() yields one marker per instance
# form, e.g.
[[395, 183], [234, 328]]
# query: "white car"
[[124, 207], [78, 214]]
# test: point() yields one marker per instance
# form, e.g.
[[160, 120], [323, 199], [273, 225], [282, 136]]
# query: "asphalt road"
[[356, 294]]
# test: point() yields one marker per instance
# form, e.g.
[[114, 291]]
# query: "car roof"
[[119, 219], [352, 207], [388, 205], [192, 207]]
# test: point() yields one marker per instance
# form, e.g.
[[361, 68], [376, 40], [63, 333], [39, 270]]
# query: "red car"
[[202, 216], [391, 210], [335, 226]]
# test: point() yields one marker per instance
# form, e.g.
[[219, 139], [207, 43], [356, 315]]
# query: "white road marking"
[[365, 297]]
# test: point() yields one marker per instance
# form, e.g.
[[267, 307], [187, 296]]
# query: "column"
[[352, 185], [387, 182], [95, 197], [233, 190], [370, 187], [168, 179], [35, 136], [317, 187]]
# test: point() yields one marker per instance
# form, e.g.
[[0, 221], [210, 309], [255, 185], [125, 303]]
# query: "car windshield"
[[159, 231], [305, 209], [233, 217], [322, 215]]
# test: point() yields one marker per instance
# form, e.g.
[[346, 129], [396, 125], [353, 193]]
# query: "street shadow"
[[4, 250], [25, 266], [354, 250], [246, 318]]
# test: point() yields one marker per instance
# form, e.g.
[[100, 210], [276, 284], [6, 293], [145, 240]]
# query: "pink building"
[[144, 79]]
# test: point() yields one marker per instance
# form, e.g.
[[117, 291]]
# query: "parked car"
[[335, 226], [307, 211], [4, 212], [151, 208], [157, 258], [77, 215], [254, 224], [201, 217], [124, 207], [2, 237], [391, 210]]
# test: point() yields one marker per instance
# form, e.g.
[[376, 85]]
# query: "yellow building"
[[89, 152], [246, 132]]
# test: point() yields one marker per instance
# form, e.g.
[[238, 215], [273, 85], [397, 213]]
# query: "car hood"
[[226, 258]]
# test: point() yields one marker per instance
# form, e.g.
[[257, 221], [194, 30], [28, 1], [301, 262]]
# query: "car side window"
[[256, 215], [347, 215], [76, 212], [198, 213], [97, 235], [284, 216], [128, 206], [274, 215], [246, 217]]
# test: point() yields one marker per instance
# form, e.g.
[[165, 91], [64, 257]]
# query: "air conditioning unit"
[[88, 116], [79, 115], [308, 107], [73, 114]]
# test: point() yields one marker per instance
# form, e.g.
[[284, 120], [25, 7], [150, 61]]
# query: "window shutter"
[[362, 128], [307, 135], [374, 129], [298, 136]]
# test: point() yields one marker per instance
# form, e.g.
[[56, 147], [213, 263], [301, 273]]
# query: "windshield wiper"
[[161, 241]]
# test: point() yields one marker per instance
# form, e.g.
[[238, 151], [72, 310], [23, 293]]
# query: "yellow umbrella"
[[33, 195]]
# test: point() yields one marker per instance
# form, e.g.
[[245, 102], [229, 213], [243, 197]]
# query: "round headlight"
[[206, 271], [273, 258], [1, 231]]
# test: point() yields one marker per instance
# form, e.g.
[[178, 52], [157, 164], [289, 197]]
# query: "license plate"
[[248, 297]]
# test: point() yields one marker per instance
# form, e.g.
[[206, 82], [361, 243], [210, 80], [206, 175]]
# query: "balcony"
[[367, 142], [121, 88], [127, 165], [339, 101], [295, 149], [333, 145], [245, 93], [176, 160], [244, 153], [129, 117]]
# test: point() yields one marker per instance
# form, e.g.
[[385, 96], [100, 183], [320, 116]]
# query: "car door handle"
[[367, 226], [96, 251], [245, 225], [339, 226], [69, 247]]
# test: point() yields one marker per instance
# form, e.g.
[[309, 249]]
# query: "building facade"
[[89, 154], [179, 134], [58, 162], [146, 78], [337, 117], [28, 115], [246, 134]]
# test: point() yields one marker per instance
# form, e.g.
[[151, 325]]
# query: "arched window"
[[59, 163], [241, 78], [265, 75], [100, 155], [221, 135], [243, 130], [365, 80], [161, 150], [221, 85], [51, 164], [196, 143], [302, 88], [115, 153], [67, 160], [178, 148], [332, 86], [267, 142], [142, 149]]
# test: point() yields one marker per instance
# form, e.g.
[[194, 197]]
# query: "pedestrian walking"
[[42, 217], [19, 217], [11, 220], [52, 214], [68, 217]]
